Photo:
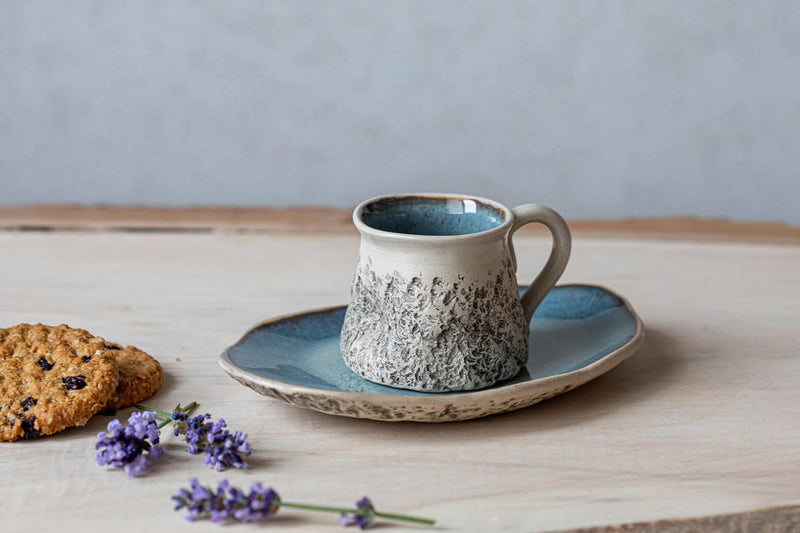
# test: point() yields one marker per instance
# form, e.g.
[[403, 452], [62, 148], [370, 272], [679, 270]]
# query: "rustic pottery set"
[[437, 328]]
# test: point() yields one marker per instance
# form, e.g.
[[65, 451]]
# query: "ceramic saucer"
[[577, 333]]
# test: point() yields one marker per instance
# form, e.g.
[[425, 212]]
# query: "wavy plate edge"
[[435, 408]]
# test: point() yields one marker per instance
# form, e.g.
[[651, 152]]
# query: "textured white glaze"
[[442, 313], [437, 329]]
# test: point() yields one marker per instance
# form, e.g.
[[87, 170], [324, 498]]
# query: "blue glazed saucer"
[[577, 333]]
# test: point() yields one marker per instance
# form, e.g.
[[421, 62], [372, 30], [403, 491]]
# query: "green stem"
[[416, 519], [322, 508], [189, 406], [160, 413], [389, 516], [163, 414]]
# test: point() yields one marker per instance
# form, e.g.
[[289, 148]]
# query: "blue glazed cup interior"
[[431, 215]]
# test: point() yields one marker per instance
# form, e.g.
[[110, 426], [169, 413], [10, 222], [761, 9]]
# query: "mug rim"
[[364, 228]]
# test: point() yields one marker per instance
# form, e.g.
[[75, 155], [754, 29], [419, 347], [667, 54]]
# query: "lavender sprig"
[[167, 417], [221, 447], [133, 447], [227, 502], [362, 517]]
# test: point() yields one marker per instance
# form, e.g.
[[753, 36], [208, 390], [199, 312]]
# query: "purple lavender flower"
[[133, 447], [222, 448], [259, 504], [194, 430], [199, 500], [226, 448], [227, 502], [362, 517]]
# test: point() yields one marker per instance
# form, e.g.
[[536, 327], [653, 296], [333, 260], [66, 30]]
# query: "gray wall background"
[[599, 109]]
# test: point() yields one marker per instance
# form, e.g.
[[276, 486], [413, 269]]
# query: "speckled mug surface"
[[434, 302]]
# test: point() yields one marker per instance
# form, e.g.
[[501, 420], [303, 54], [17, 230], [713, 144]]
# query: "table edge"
[[767, 519], [336, 220]]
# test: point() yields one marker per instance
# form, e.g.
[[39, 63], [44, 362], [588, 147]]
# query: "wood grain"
[[764, 521], [701, 422], [318, 219]]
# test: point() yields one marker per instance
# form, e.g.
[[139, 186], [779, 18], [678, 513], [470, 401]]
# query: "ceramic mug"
[[435, 304]]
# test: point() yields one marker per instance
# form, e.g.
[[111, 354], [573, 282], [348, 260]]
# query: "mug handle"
[[559, 254]]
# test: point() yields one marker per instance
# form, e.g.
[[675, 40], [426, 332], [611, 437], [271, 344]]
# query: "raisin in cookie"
[[140, 376], [51, 378]]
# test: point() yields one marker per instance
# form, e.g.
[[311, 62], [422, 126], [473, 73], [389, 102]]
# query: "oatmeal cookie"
[[140, 376], [51, 378]]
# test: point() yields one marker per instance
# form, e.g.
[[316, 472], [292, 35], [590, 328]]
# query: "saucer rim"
[[493, 396]]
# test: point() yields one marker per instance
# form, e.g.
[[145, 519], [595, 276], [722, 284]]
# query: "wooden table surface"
[[699, 430]]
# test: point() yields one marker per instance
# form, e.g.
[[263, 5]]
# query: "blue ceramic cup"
[[434, 304]]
